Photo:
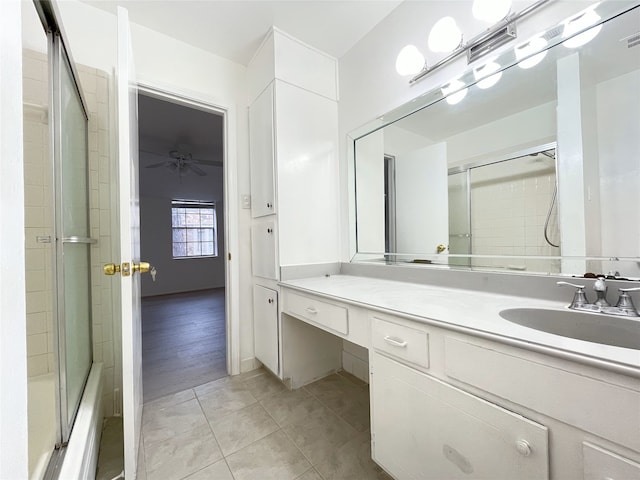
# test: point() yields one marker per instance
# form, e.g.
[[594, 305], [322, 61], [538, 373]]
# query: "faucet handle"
[[625, 303], [625, 290], [579, 299], [570, 285]]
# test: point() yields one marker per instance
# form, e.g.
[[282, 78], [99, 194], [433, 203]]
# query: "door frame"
[[230, 186]]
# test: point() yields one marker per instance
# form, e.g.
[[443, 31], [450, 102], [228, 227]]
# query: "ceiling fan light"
[[445, 36], [579, 23], [491, 10], [409, 61], [531, 53]]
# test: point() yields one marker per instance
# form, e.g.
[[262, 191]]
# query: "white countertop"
[[471, 311]]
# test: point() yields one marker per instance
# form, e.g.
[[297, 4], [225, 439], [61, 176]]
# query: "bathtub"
[[81, 455], [42, 423]]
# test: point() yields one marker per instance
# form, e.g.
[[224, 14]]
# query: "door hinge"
[[229, 256]]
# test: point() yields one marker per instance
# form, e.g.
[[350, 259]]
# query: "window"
[[194, 229]]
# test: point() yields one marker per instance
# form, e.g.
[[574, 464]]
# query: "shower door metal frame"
[[59, 58], [58, 61]]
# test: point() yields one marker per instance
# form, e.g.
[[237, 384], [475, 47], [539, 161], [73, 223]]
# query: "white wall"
[[370, 193], [370, 86], [422, 202], [13, 352], [165, 63], [158, 186], [618, 102]]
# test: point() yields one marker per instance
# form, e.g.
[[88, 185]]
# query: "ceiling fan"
[[182, 163]]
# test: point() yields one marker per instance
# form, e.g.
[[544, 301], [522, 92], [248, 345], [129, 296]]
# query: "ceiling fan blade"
[[159, 164], [212, 163], [196, 169]]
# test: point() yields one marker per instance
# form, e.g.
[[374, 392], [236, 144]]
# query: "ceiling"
[[234, 29]]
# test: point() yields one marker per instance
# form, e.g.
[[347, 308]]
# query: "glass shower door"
[[73, 238], [459, 218]]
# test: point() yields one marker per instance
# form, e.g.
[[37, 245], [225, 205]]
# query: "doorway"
[[182, 222]]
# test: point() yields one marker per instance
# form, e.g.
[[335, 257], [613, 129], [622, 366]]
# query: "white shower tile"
[[37, 365], [36, 344], [36, 323]]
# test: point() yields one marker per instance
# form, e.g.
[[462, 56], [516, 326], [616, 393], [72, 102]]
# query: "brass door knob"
[[111, 269], [142, 267], [441, 248], [128, 268]]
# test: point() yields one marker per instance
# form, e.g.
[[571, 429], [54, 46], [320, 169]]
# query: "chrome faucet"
[[624, 306]]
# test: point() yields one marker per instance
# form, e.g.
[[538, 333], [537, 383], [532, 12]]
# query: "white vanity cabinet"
[[426, 429], [266, 327], [261, 152], [293, 150], [448, 402], [294, 177]]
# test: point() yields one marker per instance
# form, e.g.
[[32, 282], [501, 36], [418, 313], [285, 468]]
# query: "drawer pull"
[[312, 310], [396, 342], [523, 448]]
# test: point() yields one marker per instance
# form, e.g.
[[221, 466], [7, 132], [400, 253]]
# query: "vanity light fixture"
[[491, 10], [486, 42], [410, 61], [445, 36], [454, 92], [579, 23], [487, 75], [531, 53]]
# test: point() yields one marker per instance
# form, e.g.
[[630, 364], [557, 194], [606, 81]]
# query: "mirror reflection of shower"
[[514, 212]]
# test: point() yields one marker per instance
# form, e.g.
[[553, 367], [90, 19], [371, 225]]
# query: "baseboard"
[[355, 366], [249, 364]]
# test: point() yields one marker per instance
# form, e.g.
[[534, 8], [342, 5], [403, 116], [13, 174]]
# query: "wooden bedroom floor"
[[183, 341]]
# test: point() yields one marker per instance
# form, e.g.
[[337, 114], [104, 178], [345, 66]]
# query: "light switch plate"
[[246, 200]]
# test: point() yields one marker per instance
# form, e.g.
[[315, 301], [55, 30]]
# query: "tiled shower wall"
[[510, 202], [38, 215], [39, 220], [96, 89]]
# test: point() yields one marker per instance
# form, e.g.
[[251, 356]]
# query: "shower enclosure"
[[505, 207], [57, 236]]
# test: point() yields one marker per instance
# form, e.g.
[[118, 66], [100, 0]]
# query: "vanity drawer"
[[600, 463], [588, 403], [331, 317], [402, 342]]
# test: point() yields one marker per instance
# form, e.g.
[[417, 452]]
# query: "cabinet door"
[[265, 326], [307, 172], [263, 249], [261, 154], [426, 429]]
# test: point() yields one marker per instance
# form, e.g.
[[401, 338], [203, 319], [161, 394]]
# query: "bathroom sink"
[[591, 327]]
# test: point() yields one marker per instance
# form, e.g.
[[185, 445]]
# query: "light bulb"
[[445, 36], [410, 61], [527, 55], [488, 75], [577, 24], [491, 10], [454, 92]]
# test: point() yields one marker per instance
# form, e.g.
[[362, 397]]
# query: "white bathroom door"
[[127, 100]]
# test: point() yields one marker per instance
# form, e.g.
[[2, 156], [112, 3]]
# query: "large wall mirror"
[[533, 170]]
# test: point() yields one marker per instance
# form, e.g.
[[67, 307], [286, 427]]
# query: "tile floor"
[[251, 427]]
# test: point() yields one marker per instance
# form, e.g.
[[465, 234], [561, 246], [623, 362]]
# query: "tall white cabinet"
[[293, 148]]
